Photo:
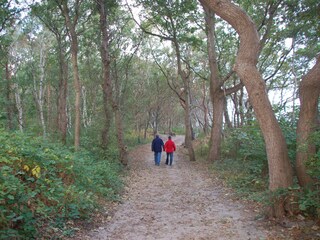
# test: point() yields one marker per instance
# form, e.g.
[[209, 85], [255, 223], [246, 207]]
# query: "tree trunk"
[[71, 25], [86, 114], [107, 86], [241, 108], [188, 134], [309, 91], [62, 119], [186, 92], [205, 110], [216, 94], [19, 106], [280, 169], [123, 151], [9, 100], [226, 114], [118, 121], [39, 90], [236, 118], [217, 126], [49, 107], [106, 71]]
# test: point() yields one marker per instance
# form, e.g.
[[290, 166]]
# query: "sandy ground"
[[182, 201]]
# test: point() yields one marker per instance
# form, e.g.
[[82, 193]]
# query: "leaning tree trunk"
[[309, 92], [280, 169]]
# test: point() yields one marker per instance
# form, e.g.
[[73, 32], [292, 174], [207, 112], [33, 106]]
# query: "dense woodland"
[[83, 81]]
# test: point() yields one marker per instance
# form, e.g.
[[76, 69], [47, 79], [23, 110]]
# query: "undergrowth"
[[46, 185], [243, 166]]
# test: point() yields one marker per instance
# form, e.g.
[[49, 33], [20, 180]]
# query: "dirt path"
[[177, 202]]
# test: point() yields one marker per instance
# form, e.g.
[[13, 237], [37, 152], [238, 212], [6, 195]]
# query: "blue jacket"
[[157, 144]]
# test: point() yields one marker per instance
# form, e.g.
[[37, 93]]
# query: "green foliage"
[[133, 138], [313, 164], [246, 177], [287, 121], [245, 163], [179, 130], [201, 147], [245, 143], [245, 168], [309, 201], [44, 185]]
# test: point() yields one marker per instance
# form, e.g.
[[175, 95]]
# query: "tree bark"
[[188, 134], [216, 93], [71, 26], [105, 38], [186, 92], [9, 100], [226, 114], [309, 91], [118, 121], [280, 169], [39, 90], [205, 110], [107, 86], [49, 108], [62, 119], [19, 106]]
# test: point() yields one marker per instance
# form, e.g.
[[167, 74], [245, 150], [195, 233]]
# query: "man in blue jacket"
[[157, 147]]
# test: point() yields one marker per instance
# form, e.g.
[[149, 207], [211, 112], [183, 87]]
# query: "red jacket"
[[169, 146]]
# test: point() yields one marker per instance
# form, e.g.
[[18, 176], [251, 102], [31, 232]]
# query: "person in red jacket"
[[169, 147]]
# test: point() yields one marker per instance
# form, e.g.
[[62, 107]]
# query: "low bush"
[[45, 185], [244, 176], [244, 166]]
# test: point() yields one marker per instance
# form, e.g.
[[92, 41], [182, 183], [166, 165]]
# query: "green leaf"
[[11, 197]]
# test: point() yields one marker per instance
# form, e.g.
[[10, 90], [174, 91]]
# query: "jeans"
[[169, 158], [157, 158]]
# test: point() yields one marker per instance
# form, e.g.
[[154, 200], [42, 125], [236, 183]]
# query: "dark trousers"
[[169, 158]]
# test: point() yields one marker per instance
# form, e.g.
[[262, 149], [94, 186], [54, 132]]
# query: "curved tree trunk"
[[280, 170], [309, 91]]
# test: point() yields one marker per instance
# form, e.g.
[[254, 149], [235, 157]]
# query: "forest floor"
[[183, 202]]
